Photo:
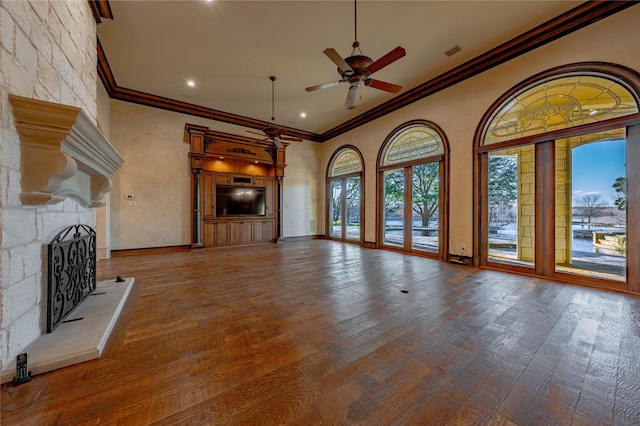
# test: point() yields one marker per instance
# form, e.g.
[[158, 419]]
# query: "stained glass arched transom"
[[560, 103], [412, 143], [345, 162]]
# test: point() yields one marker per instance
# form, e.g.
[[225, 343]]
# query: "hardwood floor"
[[319, 332]]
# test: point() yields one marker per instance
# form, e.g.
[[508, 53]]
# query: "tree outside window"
[[503, 191]]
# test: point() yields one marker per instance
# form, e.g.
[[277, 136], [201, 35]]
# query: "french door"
[[345, 208]]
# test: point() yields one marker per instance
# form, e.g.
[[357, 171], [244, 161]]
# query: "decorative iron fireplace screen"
[[71, 272]]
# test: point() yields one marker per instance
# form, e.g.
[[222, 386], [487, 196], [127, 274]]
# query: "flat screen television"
[[240, 201]]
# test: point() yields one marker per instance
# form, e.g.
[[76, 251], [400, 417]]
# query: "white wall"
[[301, 197], [459, 109], [47, 52]]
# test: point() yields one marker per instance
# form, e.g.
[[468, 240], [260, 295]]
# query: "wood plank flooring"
[[319, 332]]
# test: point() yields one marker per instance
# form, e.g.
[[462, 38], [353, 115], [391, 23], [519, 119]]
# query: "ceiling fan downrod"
[[273, 103], [356, 43]]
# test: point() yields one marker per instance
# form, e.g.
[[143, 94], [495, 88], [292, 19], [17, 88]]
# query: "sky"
[[596, 167]]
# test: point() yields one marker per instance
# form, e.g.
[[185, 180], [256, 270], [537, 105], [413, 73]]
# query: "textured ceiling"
[[230, 48]]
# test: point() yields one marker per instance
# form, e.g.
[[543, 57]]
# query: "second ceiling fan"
[[357, 69], [273, 133]]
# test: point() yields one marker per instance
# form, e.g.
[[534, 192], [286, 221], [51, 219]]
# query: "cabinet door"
[[241, 232], [209, 234], [258, 231], [269, 230], [222, 234], [215, 234], [271, 197], [263, 231], [208, 192], [247, 232], [222, 179], [235, 233]]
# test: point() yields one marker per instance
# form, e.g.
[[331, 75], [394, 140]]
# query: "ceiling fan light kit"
[[356, 69]]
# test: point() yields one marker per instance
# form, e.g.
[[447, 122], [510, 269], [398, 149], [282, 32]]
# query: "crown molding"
[[100, 9], [579, 17], [129, 95]]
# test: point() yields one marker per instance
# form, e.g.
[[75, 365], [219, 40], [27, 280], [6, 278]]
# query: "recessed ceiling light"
[[303, 114], [191, 83]]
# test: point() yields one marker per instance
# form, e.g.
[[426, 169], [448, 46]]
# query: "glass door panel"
[[393, 214], [511, 204], [335, 208], [352, 206], [590, 228], [425, 182]]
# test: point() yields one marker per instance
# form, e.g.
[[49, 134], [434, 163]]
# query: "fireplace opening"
[[71, 272]]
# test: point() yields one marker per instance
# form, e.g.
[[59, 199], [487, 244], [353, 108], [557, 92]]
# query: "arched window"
[[556, 156], [344, 195], [560, 103], [413, 196]]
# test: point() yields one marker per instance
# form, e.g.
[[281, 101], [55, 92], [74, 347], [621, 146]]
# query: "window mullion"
[[633, 207], [408, 211], [545, 208]]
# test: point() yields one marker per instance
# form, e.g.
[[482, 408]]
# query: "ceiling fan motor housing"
[[358, 64]]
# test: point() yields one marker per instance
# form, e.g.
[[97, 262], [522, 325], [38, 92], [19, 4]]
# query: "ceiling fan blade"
[[279, 132], [290, 139], [338, 60], [387, 59], [351, 96], [382, 85], [323, 86]]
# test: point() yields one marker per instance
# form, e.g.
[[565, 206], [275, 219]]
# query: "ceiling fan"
[[272, 132], [357, 69]]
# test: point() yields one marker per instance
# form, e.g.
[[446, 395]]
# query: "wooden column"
[[196, 240], [280, 165], [196, 159], [279, 237]]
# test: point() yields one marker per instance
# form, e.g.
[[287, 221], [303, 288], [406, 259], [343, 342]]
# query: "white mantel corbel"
[[63, 154]]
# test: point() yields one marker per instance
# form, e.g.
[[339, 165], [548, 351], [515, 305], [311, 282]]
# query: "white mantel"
[[63, 154]]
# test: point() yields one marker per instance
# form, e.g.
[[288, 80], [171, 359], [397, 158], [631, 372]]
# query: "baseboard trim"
[[305, 238], [150, 250]]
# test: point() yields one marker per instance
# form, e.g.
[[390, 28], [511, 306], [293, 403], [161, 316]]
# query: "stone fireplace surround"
[[65, 156]]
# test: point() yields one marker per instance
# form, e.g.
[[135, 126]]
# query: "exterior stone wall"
[[526, 207], [563, 202], [47, 52]]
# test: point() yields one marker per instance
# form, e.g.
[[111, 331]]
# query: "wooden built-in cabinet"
[[221, 160]]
